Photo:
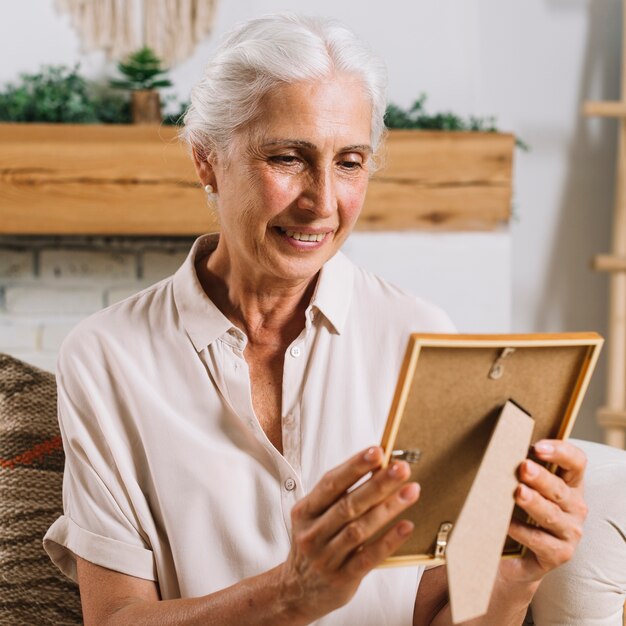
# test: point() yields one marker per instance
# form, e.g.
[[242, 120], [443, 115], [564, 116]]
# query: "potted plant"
[[143, 76]]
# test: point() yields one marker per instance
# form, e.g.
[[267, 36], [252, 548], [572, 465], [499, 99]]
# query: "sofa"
[[588, 591]]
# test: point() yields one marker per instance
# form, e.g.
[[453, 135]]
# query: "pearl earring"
[[208, 189]]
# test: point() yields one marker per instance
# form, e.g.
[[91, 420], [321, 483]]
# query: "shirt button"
[[295, 351], [290, 484]]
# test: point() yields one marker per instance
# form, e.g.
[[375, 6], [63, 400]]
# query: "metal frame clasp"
[[410, 456], [442, 540]]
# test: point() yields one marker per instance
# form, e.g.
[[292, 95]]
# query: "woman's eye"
[[285, 159], [350, 165]]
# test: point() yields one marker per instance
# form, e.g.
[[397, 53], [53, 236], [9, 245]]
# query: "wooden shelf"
[[139, 180], [604, 109], [609, 263], [611, 418]]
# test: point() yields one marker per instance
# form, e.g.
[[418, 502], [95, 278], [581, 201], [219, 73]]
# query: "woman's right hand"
[[327, 561], [330, 552]]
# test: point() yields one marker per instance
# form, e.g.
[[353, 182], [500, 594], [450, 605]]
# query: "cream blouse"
[[169, 476]]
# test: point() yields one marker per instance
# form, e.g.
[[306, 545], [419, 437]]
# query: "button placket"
[[237, 384], [294, 367], [293, 374]]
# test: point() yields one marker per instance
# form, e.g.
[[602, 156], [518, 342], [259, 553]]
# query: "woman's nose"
[[319, 196]]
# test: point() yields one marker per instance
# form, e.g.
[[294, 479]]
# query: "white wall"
[[530, 63]]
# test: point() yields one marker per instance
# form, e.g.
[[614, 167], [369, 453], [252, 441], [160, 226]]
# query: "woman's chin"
[[301, 260], [297, 270]]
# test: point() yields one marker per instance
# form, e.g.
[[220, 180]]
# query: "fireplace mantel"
[[139, 180]]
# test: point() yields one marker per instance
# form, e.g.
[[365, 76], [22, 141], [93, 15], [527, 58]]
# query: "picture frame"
[[465, 413]]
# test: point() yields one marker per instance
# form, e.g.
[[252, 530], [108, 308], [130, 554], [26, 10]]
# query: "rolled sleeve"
[[65, 540], [103, 503]]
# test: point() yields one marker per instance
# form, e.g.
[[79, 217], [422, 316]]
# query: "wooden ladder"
[[612, 416]]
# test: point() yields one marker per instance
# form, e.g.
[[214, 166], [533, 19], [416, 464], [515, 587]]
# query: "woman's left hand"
[[556, 503]]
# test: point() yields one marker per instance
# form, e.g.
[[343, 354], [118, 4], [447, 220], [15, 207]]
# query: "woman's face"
[[292, 185]]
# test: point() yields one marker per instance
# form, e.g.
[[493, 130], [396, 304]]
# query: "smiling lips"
[[302, 236]]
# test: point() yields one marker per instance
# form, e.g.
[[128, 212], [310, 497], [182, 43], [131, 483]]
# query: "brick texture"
[[47, 285], [18, 336], [53, 334], [158, 265], [42, 300], [87, 264], [16, 264], [116, 294]]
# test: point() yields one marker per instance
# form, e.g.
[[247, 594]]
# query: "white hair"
[[264, 53]]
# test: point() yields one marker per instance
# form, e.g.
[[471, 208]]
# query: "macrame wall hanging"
[[172, 28]]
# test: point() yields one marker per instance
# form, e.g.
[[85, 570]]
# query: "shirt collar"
[[204, 322], [333, 292]]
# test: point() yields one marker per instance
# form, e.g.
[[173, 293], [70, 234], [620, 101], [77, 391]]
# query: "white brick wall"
[[53, 333], [47, 285], [157, 265], [87, 265], [16, 264], [49, 300], [115, 294], [19, 336]]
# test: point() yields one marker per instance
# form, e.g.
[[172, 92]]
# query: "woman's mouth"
[[305, 237]]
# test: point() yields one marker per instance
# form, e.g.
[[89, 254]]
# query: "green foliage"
[[416, 117], [112, 109], [59, 94], [142, 70]]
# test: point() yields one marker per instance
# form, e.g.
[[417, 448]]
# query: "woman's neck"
[[268, 311]]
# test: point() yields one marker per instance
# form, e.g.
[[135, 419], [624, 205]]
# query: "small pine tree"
[[142, 70]]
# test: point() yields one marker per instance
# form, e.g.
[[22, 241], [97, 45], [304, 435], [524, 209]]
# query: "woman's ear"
[[204, 167]]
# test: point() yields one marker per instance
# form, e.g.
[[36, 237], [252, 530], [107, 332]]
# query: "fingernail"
[[523, 493], [409, 492], [531, 469], [544, 448], [370, 455], [405, 528], [395, 469]]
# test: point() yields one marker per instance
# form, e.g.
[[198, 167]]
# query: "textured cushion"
[[590, 589], [32, 590]]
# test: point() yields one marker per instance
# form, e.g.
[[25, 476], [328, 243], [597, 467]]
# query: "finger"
[[371, 555], [337, 481], [570, 459], [550, 486], [548, 515], [357, 532], [549, 550], [353, 505]]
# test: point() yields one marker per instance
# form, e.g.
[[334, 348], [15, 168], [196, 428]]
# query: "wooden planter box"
[[139, 180]]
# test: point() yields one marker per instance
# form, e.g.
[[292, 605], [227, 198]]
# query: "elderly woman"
[[207, 419]]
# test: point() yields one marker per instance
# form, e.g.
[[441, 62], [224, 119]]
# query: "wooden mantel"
[[139, 180]]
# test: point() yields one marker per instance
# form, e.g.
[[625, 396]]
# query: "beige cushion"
[[32, 590], [590, 590]]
